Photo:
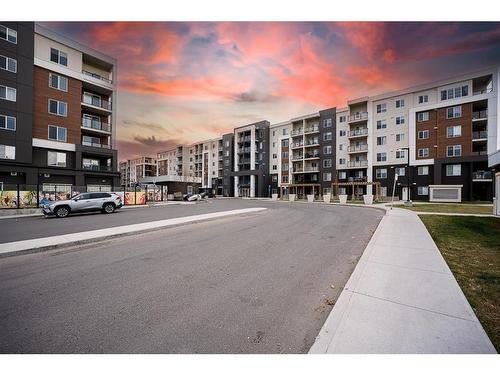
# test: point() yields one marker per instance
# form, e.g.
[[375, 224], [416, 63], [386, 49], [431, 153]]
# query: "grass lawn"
[[471, 247], [449, 208]]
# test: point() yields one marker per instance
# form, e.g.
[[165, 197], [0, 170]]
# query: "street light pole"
[[407, 150]]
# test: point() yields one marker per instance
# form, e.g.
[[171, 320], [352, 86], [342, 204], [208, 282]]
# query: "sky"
[[182, 82]]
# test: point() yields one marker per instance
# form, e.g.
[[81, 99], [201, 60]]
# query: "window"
[[423, 134], [383, 191], [58, 57], [381, 140], [342, 175], [400, 171], [7, 122], [342, 118], [56, 159], [454, 112], [284, 179], [341, 161], [227, 143], [341, 147], [327, 163], [400, 120], [456, 92], [455, 150], [275, 167], [381, 156], [327, 136], [400, 103], [284, 167], [284, 155], [327, 176], [381, 173], [285, 131], [9, 64], [8, 93], [327, 123], [57, 133], [274, 144], [423, 171], [227, 152], [90, 163], [423, 116], [58, 82], [400, 137], [454, 170], [284, 143], [423, 152], [381, 124], [7, 152], [454, 131], [58, 108], [423, 99], [7, 34], [423, 190], [381, 108], [342, 133], [400, 154], [327, 150], [275, 156]]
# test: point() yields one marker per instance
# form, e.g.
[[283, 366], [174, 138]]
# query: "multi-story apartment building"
[[279, 157], [251, 160], [60, 118], [135, 170], [227, 164]]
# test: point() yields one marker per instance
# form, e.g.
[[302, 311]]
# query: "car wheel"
[[62, 212], [108, 208]]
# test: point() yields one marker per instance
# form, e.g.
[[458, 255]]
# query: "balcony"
[[96, 76], [480, 136], [296, 145], [480, 152], [96, 102], [92, 124], [95, 144], [312, 143], [359, 148], [482, 176], [245, 139], [313, 129], [297, 132], [480, 115], [298, 157], [313, 155], [357, 133], [243, 150], [97, 168], [359, 116], [357, 164]]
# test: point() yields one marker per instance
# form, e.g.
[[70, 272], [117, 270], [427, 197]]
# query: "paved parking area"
[[257, 283]]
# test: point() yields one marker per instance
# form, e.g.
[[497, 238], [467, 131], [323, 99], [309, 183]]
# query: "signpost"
[[394, 189]]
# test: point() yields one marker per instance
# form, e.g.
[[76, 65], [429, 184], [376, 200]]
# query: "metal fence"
[[16, 196]]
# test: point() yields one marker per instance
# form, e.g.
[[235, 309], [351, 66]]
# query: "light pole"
[[407, 149]]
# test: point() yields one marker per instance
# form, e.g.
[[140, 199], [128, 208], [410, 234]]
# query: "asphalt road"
[[256, 283]]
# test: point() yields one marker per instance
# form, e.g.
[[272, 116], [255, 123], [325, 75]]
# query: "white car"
[[194, 197]]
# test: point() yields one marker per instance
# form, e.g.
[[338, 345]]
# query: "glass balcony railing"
[[482, 175], [480, 135], [95, 101], [357, 132], [358, 148], [100, 168], [357, 164], [95, 144], [359, 116], [95, 124], [96, 76], [478, 115]]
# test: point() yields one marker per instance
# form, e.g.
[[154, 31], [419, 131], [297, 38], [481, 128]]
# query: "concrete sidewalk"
[[402, 298]]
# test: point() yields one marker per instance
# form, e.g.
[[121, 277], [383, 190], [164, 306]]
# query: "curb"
[[54, 242]]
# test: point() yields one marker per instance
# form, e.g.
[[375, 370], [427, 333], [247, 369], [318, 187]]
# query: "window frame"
[[425, 131], [6, 119], [426, 97], [5, 148], [57, 133], [452, 170], [422, 168], [12, 89], [8, 32], [59, 55], [381, 108], [453, 148], [379, 175], [426, 149], [453, 112], [6, 68], [381, 124], [58, 107], [383, 156], [453, 127], [51, 75], [423, 192], [422, 118]]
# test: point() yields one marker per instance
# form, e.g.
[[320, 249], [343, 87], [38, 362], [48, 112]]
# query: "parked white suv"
[[85, 202]]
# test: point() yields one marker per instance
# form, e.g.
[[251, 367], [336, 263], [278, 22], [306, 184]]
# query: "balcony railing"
[[357, 132], [479, 135], [311, 155], [297, 157], [297, 145], [96, 76], [480, 152], [311, 169], [312, 129], [357, 164], [100, 168], [482, 91], [96, 102], [358, 116], [312, 143], [243, 150], [95, 124], [482, 175], [95, 144], [478, 115], [359, 148], [245, 139], [297, 132]]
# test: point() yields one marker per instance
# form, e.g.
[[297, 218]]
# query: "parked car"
[[194, 197], [185, 197], [85, 202]]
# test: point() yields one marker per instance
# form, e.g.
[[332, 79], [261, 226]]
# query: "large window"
[[400, 120], [381, 124], [454, 131], [90, 163], [381, 108], [423, 116], [342, 118], [58, 108], [327, 123], [7, 63], [423, 190], [454, 170], [341, 161], [58, 57], [423, 134], [342, 133], [57, 133], [454, 112], [455, 150], [456, 92], [58, 82], [327, 136], [400, 103], [423, 152], [7, 152], [327, 163], [7, 34], [381, 156], [400, 137], [381, 173], [342, 175], [8, 93], [327, 150], [327, 176], [400, 154], [7, 122], [423, 170], [423, 99], [56, 159]]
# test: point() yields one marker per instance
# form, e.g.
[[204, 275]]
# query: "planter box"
[[368, 198], [343, 198], [310, 198], [291, 197], [327, 198], [274, 197]]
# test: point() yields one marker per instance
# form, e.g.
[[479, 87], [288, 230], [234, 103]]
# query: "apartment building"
[[133, 171], [251, 160], [57, 115], [227, 164], [279, 157]]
